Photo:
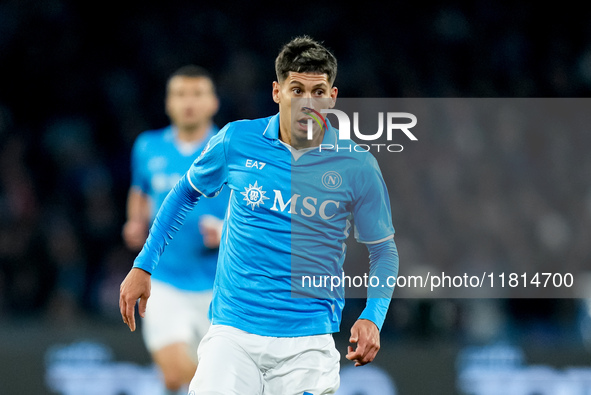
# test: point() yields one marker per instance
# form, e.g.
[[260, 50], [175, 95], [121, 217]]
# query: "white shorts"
[[234, 362], [175, 316]]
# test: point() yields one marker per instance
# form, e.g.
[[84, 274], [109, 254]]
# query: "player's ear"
[[333, 96], [167, 106], [215, 105], [276, 92]]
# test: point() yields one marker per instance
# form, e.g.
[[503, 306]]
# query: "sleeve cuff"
[[375, 311]]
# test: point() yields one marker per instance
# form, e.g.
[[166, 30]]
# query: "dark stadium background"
[[79, 81]]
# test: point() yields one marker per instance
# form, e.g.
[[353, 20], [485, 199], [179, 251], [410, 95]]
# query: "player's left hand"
[[367, 337], [211, 229]]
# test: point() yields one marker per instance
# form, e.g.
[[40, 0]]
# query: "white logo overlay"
[[307, 206], [254, 195], [356, 126], [332, 180]]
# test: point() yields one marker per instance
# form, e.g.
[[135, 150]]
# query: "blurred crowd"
[[78, 82]]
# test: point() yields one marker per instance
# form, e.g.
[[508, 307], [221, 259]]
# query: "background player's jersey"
[[158, 161], [289, 216]]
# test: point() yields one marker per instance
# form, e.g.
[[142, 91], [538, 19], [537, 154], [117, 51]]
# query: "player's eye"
[[319, 92], [296, 91]]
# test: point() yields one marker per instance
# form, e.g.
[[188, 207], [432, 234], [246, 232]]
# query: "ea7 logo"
[[345, 125], [254, 163]]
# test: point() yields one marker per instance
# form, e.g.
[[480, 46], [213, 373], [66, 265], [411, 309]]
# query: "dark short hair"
[[305, 55], [191, 71]]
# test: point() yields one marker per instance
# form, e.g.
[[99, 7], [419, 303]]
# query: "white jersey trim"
[[377, 241], [195, 188]]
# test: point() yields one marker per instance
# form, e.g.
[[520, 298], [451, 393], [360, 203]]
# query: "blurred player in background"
[[177, 318], [284, 218]]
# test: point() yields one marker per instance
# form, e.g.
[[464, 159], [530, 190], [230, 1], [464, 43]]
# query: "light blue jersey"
[[159, 160], [289, 216]]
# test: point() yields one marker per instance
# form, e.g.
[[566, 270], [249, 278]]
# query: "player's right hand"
[[136, 285], [134, 234], [367, 336]]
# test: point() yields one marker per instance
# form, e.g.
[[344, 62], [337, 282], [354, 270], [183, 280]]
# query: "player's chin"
[[188, 123], [300, 131]]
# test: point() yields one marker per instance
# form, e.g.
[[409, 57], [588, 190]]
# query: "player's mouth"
[[302, 123]]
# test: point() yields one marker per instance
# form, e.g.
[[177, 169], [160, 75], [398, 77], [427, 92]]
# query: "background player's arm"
[[135, 229]]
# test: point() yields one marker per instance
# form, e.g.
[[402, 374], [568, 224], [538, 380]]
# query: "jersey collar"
[[189, 148]]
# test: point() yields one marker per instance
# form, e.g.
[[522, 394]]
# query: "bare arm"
[[135, 229]]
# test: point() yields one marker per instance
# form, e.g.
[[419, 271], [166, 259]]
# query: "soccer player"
[[176, 319], [289, 215]]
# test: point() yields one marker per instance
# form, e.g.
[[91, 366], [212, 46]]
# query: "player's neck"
[[193, 133]]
